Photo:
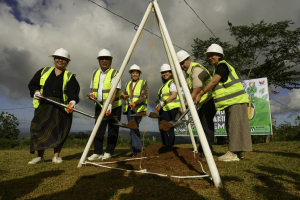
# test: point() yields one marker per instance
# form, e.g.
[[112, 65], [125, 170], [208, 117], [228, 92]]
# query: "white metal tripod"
[[176, 69]]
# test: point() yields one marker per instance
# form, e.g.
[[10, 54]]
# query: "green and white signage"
[[258, 111]]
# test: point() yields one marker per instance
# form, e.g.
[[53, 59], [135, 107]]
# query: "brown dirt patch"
[[153, 115], [132, 124], [141, 114], [167, 160], [164, 125]]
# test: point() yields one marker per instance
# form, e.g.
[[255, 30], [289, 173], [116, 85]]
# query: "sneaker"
[[57, 160], [106, 156], [36, 161], [240, 155], [132, 154], [229, 157], [94, 157]]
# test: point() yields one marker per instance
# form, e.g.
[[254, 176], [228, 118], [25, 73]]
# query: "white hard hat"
[[182, 55], [135, 67], [104, 52], [165, 67], [214, 48], [61, 53]]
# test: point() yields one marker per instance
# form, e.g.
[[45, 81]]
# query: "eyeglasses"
[[105, 58], [61, 58]]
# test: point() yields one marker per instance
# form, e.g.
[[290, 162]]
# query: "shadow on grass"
[[16, 188], [115, 184], [228, 180], [273, 187], [285, 154]]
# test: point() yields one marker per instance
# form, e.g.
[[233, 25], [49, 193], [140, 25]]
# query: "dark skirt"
[[50, 126]]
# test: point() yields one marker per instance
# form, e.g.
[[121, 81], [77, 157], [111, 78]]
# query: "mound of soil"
[[153, 115], [167, 160], [132, 124], [141, 114], [164, 125]]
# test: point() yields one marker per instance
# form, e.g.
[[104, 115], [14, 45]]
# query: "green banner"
[[258, 111]]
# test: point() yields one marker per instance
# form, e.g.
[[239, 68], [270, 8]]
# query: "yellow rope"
[[148, 95]]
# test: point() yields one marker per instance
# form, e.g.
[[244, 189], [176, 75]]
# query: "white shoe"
[[36, 161], [57, 160], [106, 156], [229, 157], [94, 157]]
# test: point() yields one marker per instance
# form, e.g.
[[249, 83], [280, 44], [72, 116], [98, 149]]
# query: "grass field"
[[271, 171]]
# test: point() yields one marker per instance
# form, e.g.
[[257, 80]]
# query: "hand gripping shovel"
[[132, 124], [63, 105], [133, 108]]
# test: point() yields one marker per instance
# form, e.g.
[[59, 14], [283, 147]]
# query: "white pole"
[[209, 158], [178, 87], [114, 86]]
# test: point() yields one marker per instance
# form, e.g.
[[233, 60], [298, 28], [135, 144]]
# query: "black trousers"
[[206, 115], [167, 137], [113, 132]]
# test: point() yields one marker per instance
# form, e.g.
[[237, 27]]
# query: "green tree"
[[8, 126], [261, 50]]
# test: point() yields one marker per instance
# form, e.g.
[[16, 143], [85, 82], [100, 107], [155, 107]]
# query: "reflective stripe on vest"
[[136, 95], [111, 73], [231, 92], [164, 93], [44, 76], [207, 79]]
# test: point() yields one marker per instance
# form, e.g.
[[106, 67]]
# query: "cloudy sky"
[[31, 30]]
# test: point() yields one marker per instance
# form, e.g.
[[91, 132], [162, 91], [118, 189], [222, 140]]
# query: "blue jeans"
[[136, 143], [168, 137]]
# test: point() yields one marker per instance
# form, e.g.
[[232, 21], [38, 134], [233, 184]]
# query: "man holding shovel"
[[101, 83], [197, 78]]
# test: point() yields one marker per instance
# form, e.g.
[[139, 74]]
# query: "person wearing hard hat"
[[229, 95], [168, 104], [51, 124], [101, 83], [197, 78], [135, 96]]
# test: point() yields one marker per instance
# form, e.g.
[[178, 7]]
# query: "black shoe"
[[202, 154], [240, 155], [132, 154]]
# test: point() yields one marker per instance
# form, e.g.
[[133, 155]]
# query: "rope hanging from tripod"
[[148, 95]]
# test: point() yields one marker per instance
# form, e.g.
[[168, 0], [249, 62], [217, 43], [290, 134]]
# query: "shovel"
[[251, 109], [118, 123], [63, 105]]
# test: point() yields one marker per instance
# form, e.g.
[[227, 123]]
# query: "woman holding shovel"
[[229, 95], [135, 107], [168, 104], [51, 123]]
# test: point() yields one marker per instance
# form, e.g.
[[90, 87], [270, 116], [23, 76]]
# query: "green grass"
[[271, 171]]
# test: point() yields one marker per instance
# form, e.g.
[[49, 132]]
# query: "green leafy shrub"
[[8, 143]]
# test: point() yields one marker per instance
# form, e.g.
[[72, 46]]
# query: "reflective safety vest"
[[231, 92], [110, 74], [207, 79], [136, 95], [164, 93], [44, 75]]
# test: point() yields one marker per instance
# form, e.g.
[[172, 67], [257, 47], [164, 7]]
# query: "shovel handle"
[[63, 105], [134, 110], [91, 98]]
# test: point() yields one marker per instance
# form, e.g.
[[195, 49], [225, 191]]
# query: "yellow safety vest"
[[165, 92], [207, 79], [136, 95], [110, 74], [44, 75], [231, 92]]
